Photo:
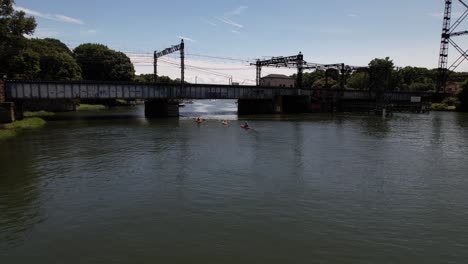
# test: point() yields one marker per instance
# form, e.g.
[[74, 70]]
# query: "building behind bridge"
[[278, 80]]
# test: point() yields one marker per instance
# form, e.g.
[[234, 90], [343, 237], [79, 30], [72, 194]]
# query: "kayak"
[[245, 127], [225, 123], [199, 121]]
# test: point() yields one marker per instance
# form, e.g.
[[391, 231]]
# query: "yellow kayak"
[[225, 123]]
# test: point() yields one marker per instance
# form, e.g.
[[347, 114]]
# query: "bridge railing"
[[27, 90], [24, 90]]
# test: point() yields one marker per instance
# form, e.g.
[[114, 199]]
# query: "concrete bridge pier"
[[157, 108], [295, 104], [8, 109], [255, 106]]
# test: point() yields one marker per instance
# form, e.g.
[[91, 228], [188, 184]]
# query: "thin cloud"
[[89, 32], [208, 22], [46, 33], [186, 38], [237, 11], [335, 31], [353, 15], [230, 22], [55, 17], [235, 31]]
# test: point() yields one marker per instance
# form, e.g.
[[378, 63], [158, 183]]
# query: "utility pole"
[[259, 72], [300, 69], [155, 69], [182, 62]]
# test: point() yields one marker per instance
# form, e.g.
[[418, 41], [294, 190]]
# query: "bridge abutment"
[[158, 108], [7, 113], [7, 109]]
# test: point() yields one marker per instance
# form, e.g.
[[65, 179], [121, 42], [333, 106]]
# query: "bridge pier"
[[255, 106], [157, 108], [7, 109], [295, 104]]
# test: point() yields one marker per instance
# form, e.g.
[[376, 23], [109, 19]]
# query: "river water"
[[113, 187]]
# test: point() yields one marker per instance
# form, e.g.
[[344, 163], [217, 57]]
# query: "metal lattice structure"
[[296, 61], [175, 48], [301, 65], [448, 31]]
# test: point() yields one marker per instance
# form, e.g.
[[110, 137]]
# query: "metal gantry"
[[180, 47], [296, 61], [448, 31]]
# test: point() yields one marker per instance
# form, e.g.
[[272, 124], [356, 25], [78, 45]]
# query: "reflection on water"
[[295, 189]]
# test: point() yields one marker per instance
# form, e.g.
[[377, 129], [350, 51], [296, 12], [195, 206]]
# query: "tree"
[[25, 65], [99, 63], [359, 80], [56, 60], [381, 71], [322, 83], [13, 26]]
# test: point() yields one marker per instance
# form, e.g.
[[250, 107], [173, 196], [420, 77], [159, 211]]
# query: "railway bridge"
[[161, 99]]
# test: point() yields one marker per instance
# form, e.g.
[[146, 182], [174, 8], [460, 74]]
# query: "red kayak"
[[200, 121], [245, 127]]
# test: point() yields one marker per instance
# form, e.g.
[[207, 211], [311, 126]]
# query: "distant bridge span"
[[161, 99], [17, 90]]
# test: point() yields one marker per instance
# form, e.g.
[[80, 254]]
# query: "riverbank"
[[90, 107], [10, 130]]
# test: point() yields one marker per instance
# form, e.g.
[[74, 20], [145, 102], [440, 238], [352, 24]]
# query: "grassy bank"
[[442, 107], [89, 107], [10, 130], [38, 114], [448, 104]]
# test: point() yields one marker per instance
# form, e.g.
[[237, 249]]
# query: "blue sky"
[[353, 32]]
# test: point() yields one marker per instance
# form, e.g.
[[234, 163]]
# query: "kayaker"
[[246, 125]]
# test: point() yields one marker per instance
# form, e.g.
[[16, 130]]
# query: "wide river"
[[113, 187]]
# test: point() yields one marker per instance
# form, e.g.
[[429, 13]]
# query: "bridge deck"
[[32, 90]]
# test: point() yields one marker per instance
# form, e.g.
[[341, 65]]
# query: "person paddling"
[[246, 125]]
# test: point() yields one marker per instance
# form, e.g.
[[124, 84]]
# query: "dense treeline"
[[380, 75]]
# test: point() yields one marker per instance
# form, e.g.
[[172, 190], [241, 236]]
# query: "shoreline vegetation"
[[11, 130], [90, 107], [450, 104]]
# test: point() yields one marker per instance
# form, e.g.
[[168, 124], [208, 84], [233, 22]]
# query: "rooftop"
[[276, 76]]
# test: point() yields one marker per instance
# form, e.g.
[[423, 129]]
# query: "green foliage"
[[56, 60], [25, 65], [38, 114], [99, 63], [59, 66], [381, 71], [144, 78], [359, 80], [13, 26], [27, 123], [10, 130], [322, 84], [421, 87], [90, 107], [439, 107]]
